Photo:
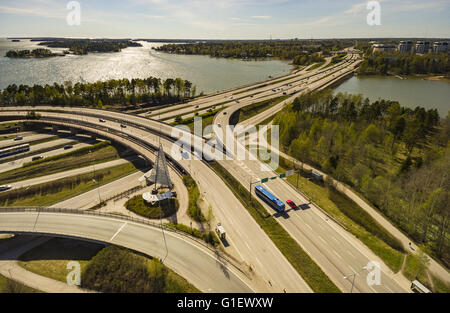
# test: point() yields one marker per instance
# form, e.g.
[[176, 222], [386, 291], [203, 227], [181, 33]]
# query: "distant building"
[[440, 47], [422, 47], [383, 48], [405, 46]]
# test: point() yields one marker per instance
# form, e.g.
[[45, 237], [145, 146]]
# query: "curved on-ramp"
[[205, 268]]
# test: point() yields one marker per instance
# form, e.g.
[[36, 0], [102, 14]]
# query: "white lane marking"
[[257, 260], [309, 226], [118, 231], [322, 239], [388, 288], [348, 251], [337, 254]]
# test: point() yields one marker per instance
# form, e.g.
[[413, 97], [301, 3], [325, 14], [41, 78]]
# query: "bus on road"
[[270, 199]]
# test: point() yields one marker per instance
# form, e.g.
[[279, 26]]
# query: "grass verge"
[[194, 210], [47, 194], [254, 109], [163, 209], [11, 286], [208, 237], [300, 260], [117, 270], [101, 152], [352, 217], [51, 258]]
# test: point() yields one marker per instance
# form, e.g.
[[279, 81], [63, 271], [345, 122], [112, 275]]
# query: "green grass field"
[[101, 152], [164, 209], [116, 269], [51, 258], [47, 194]]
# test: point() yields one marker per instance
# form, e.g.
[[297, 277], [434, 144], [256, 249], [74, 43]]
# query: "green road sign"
[[265, 180], [282, 175], [273, 178]]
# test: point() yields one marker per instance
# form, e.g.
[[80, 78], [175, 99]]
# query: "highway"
[[243, 230], [8, 166], [202, 268], [253, 246], [310, 227]]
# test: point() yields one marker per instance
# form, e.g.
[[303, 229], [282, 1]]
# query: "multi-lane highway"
[[337, 252]]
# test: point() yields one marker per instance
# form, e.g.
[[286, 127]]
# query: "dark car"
[[67, 147], [123, 125], [291, 204], [36, 158]]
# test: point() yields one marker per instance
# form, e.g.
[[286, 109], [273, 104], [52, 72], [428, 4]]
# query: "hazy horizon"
[[225, 19]]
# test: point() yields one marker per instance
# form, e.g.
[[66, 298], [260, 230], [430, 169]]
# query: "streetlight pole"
[[354, 276]]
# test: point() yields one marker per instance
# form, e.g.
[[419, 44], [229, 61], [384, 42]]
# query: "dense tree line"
[[84, 46], [398, 158], [111, 93], [381, 63], [283, 49], [36, 53]]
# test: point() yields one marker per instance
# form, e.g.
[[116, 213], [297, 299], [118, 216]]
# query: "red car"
[[291, 204]]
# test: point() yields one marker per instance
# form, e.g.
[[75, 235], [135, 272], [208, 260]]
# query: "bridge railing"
[[219, 254]]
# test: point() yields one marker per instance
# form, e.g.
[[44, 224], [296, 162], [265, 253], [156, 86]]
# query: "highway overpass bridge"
[[202, 265]]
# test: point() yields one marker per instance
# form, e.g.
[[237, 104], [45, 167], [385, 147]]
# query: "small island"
[[85, 46], [36, 53]]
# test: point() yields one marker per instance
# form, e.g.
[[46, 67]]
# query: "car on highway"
[[67, 147], [231, 98], [224, 113], [291, 204], [18, 138], [149, 112], [218, 125], [5, 187], [237, 101], [196, 106], [36, 158], [101, 120], [123, 126]]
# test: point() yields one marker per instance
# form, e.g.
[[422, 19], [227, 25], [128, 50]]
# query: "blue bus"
[[269, 198]]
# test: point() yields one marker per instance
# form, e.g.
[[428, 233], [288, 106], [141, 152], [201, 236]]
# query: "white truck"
[[221, 232]]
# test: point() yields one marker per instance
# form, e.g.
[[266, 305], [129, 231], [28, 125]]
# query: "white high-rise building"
[[422, 47], [440, 47], [405, 46]]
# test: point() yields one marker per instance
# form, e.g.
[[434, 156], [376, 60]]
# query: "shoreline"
[[429, 77]]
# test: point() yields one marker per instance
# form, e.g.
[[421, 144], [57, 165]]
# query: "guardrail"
[[216, 252]]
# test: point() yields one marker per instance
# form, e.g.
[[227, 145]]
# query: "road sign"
[[282, 175], [273, 178], [265, 180]]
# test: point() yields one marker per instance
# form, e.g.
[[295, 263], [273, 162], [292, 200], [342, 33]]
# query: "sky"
[[225, 19]]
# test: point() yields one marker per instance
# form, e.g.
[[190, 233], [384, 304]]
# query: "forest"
[[299, 51], [36, 53], [396, 157], [112, 93], [381, 63], [84, 46]]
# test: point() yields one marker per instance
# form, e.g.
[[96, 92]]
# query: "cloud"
[[262, 17]]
